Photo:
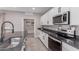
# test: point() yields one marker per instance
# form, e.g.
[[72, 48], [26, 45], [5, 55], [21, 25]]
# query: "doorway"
[[28, 27]]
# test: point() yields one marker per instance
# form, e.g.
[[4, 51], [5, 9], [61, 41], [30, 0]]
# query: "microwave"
[[63, 18]]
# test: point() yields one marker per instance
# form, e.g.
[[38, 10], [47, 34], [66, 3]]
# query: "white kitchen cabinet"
[[55, 11], [42, 20], [66, 47], [46, 19], [65, 9], [41, 35], [49, 17], [44, 38]]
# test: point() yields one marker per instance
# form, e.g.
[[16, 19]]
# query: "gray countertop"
[[53, 33], [12, 35], [15, 34]]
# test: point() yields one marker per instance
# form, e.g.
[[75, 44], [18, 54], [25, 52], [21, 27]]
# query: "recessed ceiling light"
[[33, 8]]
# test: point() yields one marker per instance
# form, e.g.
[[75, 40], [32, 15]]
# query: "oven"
[[54, 44]]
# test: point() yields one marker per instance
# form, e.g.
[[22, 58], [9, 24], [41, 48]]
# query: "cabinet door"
[[45, 40], [66, 47], [49, 17], [55, 11], [42, 20], [40, 36], [64, 9], [45, 18], [43, 37]]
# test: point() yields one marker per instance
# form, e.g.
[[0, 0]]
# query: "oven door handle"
[[55, 39]]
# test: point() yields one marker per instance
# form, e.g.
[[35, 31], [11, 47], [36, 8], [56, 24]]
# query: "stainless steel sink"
[[12, 44]]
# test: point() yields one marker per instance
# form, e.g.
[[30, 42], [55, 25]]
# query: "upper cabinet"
[[55, 11], [43, 20], [47, 19], [64, 9]]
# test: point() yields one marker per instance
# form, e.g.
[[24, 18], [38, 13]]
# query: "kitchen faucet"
[[2, 30]]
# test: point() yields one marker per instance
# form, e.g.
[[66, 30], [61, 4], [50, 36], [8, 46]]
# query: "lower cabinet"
[[52, 44], [66, 47], [44, 38]]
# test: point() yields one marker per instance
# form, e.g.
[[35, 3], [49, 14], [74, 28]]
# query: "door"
[[54, 45], [28, 27]]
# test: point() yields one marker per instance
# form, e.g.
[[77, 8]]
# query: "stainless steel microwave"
[[63, 18]]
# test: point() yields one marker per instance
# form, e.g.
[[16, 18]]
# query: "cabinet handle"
[[43, 37]]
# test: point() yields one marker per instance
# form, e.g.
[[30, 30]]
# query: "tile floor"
[[34, 44]]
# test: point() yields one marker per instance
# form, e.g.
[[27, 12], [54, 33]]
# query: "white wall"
[[74, 15], [16, 18], [1, 21]]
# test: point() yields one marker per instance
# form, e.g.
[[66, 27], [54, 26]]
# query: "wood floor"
[[34, 44]]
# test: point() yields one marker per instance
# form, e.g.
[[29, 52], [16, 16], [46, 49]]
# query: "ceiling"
[[35, 10]]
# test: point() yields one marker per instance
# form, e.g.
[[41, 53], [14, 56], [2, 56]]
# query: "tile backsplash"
[[66, 27], [77, 29]]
